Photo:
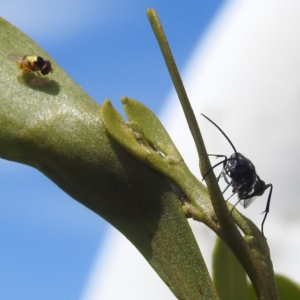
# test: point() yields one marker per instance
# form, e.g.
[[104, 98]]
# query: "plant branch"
[[256, 269]]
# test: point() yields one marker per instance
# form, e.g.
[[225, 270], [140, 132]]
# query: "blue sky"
[[48, 240]]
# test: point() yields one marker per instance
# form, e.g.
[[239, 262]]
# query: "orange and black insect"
[[32, 63]]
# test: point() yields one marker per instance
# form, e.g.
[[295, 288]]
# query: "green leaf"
[[152, 127], [50, 123], [288, 290], [141, 137], [229, 276], [147, 140]]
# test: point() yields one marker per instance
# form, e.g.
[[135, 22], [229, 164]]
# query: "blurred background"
[[240, 64]]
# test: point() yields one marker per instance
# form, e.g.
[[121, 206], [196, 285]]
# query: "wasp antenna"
[[227, 138]]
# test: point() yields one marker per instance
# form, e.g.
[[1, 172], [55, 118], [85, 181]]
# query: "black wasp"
[[239, 172]]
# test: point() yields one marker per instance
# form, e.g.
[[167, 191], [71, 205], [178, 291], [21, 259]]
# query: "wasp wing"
[[246, 202]]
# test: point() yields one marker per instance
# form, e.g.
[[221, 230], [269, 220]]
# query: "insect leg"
[[226, 178], [219, 163], [267, 206], [234, 204], [228, 185], [219, 177], [218, 155], [234, 191], [232, 196], [224, 175]]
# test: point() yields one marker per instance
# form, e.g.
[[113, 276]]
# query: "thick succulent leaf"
[[147, 140], [228, 275], [51, 124], [288, 290], [152, 127]]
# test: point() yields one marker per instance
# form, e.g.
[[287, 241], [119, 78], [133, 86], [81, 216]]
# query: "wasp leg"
[[228, 185], [232, 196], [218, 155], [258, 192], [267, 206], [234, 191], [235, 204], [226, 178], [219, 177]]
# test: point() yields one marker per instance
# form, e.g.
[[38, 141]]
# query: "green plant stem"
[[173, 71], [218, 203], [255, 269]]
